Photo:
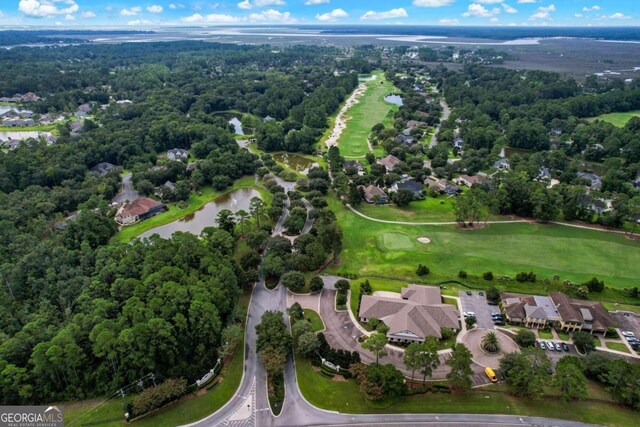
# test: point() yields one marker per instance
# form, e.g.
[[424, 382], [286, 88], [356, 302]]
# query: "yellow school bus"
[[491, 375]]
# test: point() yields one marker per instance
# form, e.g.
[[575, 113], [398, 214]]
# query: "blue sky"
[[144, 14]]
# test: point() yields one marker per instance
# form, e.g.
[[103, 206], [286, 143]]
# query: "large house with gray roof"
[[418, 312]]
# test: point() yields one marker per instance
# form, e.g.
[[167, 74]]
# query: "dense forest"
[[83, 316]]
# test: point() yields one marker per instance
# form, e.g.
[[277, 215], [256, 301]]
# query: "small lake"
[[237, 126], [296, 162], [7, 108], [394, 99], [5, 136], [207, 215]]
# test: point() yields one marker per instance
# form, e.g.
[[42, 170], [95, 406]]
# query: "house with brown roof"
[[470, 180], [579, 314], [389, 162], [138, 210], [533, 311], [373, 194], [558, 310], [417, 313]]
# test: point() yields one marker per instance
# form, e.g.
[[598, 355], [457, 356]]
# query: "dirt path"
[[341, 119]]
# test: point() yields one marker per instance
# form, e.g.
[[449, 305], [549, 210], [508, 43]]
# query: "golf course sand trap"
[[424, 240], [341, 119]]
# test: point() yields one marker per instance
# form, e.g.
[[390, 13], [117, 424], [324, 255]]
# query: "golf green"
[[395, 241]]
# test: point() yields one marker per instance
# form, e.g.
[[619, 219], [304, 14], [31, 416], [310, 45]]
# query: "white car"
[[469, 314], [628, 334], [550, 345]]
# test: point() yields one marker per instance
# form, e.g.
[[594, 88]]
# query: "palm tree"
[[491, 343]]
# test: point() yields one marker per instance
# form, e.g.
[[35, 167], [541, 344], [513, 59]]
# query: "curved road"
[[445, 115], [249, 406]]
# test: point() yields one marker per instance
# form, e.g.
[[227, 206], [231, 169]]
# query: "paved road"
[[127, 193], [445, 115]]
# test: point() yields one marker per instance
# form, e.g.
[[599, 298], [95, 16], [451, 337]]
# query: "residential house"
[[533, 311], [177, 154], [409, 184], [442, 186], [76, 127], [458, 143], [636, 183], [411, 124], [376, 195], [502, 164], [595, 182], [352, 164], [418, 313], [138, 210], [83, 110], [470, 180], [164, 188], [103, 168], [191, 167], [544, 174], [405, 139], [579, 315], [556, 132], [389, 162]]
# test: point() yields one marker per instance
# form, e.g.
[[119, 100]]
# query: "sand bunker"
[[424, 240]]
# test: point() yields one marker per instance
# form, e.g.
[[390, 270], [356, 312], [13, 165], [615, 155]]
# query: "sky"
[[143, 14]]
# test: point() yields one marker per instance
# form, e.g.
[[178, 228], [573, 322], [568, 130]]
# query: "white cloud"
[[489, 1], [1, 14], [332, 16], [245, 4], [69, 17], [313, 2], [108, 8], [387, 14], [578, 15], [494, 19], [248, 4], [88, 14], [509, 9], [215, 18], [526, 1], [272, 15], [445, 21], [432, 3], [591, 9], [155, 9], [132, 11], [46, 8], [139, 22], [478, 10], [176, 6], [618, 15], [543, 13]]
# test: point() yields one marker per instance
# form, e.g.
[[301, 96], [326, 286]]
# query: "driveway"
[[478, 305], [127, 193]]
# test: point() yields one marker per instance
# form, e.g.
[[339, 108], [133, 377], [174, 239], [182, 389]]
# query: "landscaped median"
[[336, 394]]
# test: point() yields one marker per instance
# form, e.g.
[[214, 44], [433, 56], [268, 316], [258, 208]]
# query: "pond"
[[7, 108], [207, 215], [394, 99], [237, 126], [294, 161]]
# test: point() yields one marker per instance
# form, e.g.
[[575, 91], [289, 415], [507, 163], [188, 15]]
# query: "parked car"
[[628, 334], [469, 293], [496, 316], [498, 322], [469, 314], [492, 303], [541, 344], [550, 345], [481, 294], [631, 338], [565, 347], [558, 346]]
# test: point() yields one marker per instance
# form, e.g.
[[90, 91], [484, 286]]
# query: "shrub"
[[447, 333], [293, 280], [462, 274], [341, 299], [594, 285], [157, 396], [423, 270], [487, 276], [525, 338], [316, 284], [365, 288], [526, 277], [342, 286], [493, 294]]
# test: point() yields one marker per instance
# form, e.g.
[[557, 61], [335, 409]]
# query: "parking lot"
[[628, 322], [477, 304]]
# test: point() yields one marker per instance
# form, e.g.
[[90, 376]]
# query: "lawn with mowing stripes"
[[389, 250], [369, 111]]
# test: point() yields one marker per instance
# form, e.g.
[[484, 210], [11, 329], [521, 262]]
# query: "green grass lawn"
[[371, 109], [389, 250], [545, 335], [36, 128], [618, 346], [617, 119], [314, 318], [112, 413], [195, 202], [345, 396], [563, 336]]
